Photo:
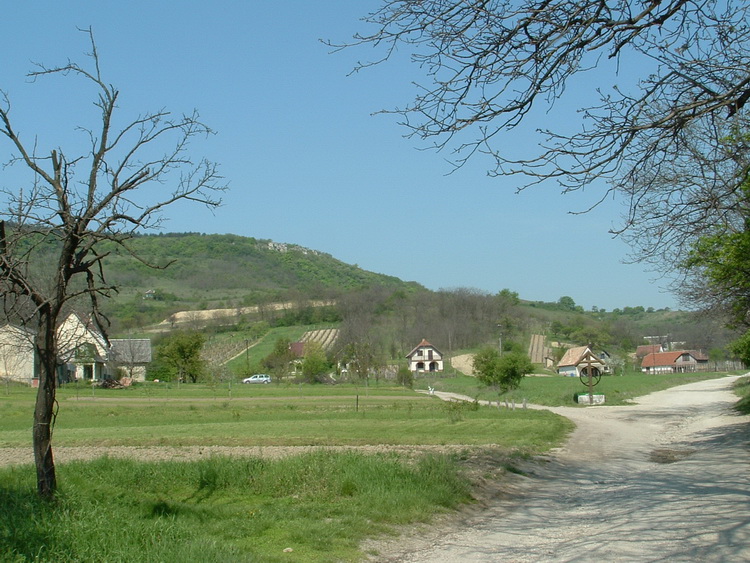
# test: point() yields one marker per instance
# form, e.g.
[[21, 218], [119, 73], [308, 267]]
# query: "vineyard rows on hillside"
[[326, 337]]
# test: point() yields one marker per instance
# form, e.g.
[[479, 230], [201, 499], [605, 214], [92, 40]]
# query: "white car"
[[258, 378]]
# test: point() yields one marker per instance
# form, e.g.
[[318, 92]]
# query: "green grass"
[[318, 505], [556, 391], [742, 388], [263, 415], [321, 505]]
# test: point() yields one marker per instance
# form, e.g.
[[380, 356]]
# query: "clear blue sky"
[[306, 161]]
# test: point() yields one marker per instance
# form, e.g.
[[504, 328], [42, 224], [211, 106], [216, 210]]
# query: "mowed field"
[[154, 415]]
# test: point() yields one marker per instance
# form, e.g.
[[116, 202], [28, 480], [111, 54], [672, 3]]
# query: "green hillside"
[[198, 271], [250, 277]]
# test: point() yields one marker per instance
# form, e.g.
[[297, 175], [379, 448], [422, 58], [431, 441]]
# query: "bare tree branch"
[[53, 235]]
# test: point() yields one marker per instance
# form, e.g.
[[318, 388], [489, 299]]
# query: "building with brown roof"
[[677, 361], [425, 357], [577, 359]]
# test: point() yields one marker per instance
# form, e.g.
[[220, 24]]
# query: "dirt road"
[[666, 479]]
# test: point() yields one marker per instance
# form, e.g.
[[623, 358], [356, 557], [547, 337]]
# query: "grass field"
[[264, 415], [556, 391], [313, 507]]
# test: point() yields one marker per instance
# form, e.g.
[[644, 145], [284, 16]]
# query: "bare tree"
[[77, 209], [491, 64]]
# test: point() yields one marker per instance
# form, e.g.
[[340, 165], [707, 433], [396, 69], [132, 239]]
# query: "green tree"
[[405, 377], [182, 354], [277, 362], [315, 365], [567, 303], [741, 348], [503, 373], [718, 267]]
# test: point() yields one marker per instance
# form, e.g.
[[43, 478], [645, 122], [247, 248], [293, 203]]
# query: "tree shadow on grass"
[[27, 524]]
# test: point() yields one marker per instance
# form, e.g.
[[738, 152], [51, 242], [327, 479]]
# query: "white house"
[[578, 359], [82, 349], [17, 359], [83, 354], [425, 357], [677, 361]]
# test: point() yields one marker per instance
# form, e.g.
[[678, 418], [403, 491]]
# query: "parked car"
[[258, 378]]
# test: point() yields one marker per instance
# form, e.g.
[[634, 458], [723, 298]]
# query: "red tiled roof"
[[646, 349], [297, 349], [663, 358]]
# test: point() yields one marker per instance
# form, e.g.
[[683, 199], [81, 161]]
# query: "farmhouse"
[[678, 361], [577, 359], [83, 354], [425, 357], [82, 349]]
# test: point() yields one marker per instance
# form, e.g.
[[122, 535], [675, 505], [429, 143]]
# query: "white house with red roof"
[[677, 361], [425, 357]]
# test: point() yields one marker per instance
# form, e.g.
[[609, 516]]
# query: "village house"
[[130, 357], [82, 350], [425, 357], [577, 360], [83, 354], [677, 361]]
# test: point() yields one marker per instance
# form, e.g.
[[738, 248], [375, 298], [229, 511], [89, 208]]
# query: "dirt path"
[[663, 480]]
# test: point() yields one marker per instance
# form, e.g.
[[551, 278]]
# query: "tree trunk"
[[46, 348]]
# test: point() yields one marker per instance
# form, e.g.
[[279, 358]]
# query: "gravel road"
[[665, 479]]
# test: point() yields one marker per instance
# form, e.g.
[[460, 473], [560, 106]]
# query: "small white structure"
[[577, 359], [425, 357]]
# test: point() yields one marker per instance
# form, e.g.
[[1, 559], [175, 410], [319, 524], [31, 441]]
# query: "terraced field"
[[326, 337]]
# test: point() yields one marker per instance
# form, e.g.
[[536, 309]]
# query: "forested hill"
[[220, 268]]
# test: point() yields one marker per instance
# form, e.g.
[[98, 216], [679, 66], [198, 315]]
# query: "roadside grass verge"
[[557, 391], [317, 506], [742, 388]]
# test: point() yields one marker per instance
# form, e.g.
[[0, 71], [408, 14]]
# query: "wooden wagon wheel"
[[596, 375]]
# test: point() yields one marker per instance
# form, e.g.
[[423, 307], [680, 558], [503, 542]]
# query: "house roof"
[[423, 344], [73, 333], [131, 350], [663, 358], [699, 355], [575, 356], [297, 349], [646, 349]]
